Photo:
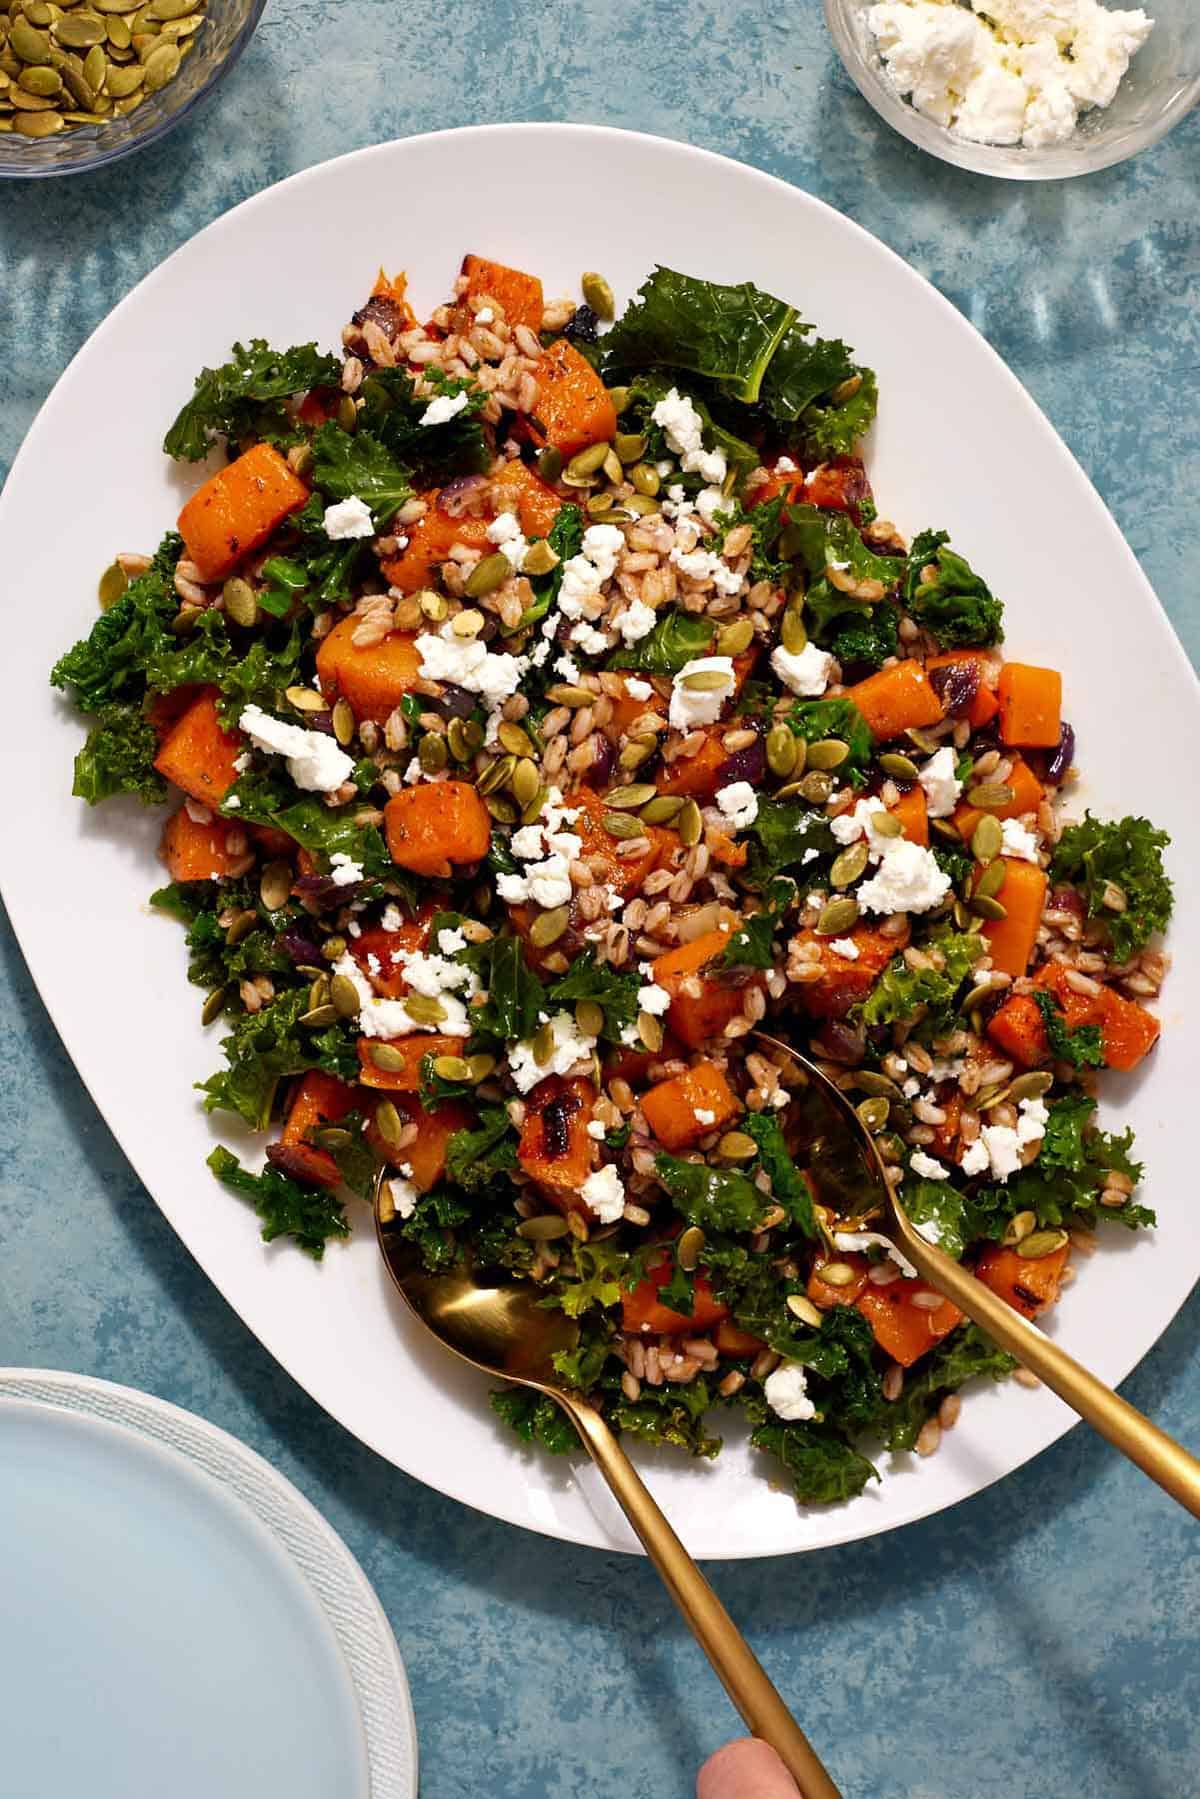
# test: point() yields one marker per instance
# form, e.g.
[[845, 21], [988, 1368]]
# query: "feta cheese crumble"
[[692, 706], [388, 1018], [1018, 841], [907, 877], [314, 761], [636, 622], [605, 1194], [468, 663], [683, 429], [654, 999], [569, 1046], [805, 671], [703, 1115], [506, 533], [348, 518], [851, 1241], [928, 1167], [786, 1392], [444, 408], [344, 870], [846, 948], [739, 804], [636, 689], [1000, 1147], [939, 784], [1020, 74], [404, 1196], [584, 575]]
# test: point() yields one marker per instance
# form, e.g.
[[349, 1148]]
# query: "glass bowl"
[[1163, 84], [227, 29]]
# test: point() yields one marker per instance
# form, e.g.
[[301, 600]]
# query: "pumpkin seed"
[[873, 1113], [333, 947], [690, 824], [992, 879], [423, 1009], [479, 1068], [347, 412], [598, 295], [983, 906], [451, 1068], [121, 83], [543, 1045], [582, 482], [545, 1228], [76, 31], [1031, 1085], [95, 67], [987, 839], [432, 753], [976, 996], [598, 504], [635, 752], [620, 399], [804, 1309], [495, 775], [924, 740], [501, 808], [332, 1136], [662, 809], [213, 1006], [705, 680], [389, 1123], [612, 466], [318, 1018], [24, 101], [533, 810], [306, 699], [515, 740], [275, 885], [43, 82], [876, 1084], [849, 865], [433, 605], [962, 918], [688, 1248], [77, 87], [644, 479], [989, 796], [388, 1058], [650, 1031], [733, 638], [1018, 1228], [793, 632], [487, 575], [524, 783], [238, 595], [118, 33], [161, 66], [571, 697], [737, 1146], [587, 462], [37, 12], [550, 464], [548, 927], [344, 996], [828, 753], [169, 9], [343, 721], [781, 751], [1040, 1243], [241, 926], [903, 768], [630, 446], [816, 787], [113, 583], [947, 829], [112, 6], [467, 623], [837, 1274], [539, 558], [628, 799], [838, 916], [30, 45], [620, 824], [589, 1015]]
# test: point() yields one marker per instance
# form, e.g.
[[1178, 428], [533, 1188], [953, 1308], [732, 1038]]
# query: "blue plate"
[[155, 1638]]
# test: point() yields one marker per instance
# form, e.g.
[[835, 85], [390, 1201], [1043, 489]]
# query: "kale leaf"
[[752, 945], [118, 757], [360, 466], [822, 1465], [784, 832], [265, 1046], [715, 1198], [833, 429], [789, 1187], [431, 454], [869, 639], [674, 641], [944, 1206], [516, 996], [322, 830], [651, 386], [246, 395], [727, 334], [535, 1418], [902, 992], [803, 369], [565, 539], [616, 993], [1126, 853], [665, 1414], [1081, 1045], [109, 663], [1066, 1179], [475, 1158], [815, 720], [966, 1352], [956, 606], [287, 1208]]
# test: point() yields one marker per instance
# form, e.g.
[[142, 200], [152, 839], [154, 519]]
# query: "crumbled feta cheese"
[[450, 941], [241, 763], [435, 976], [739, 804], [703, 1115], [849, 826], [703, 565], [940, 786], [930, 1229], [1020, 74], [911, 1087], [569, 1046], [805, 672], [975, 1157], [388, 1018], [584, 575], [591, 641], [596, 1129], [785, 466], [349, 518], [315, 762], [1018, 841], [908, 879], [568, 669], [404, 1195], [653, 999], [692, 706], [232, 803], [636, 622], [344, 870], [468, 663], [710, 501], [683, 429], [928, 1167], [1003, 1144], [605, 1194], [846, 948], [850, 1242], [786, 1392], [505, 532], [413, 772], [444, 408], [636, 689]]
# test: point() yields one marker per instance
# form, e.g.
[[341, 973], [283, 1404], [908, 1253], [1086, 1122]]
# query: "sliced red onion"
[[955, 685], [1063, 756], [325, 890], [302, 949], [454, 701], [319, 721], [603, 758], [457, 496], [1066, 899], [749, 764]]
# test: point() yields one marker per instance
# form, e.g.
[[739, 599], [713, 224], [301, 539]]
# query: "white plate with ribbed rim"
[[954, 423], [177, 1616]]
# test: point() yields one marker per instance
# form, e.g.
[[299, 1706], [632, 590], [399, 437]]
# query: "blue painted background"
[[1040, 1639]]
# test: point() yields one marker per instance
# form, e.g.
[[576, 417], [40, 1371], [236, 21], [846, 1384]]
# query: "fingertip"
[[745, 1769]]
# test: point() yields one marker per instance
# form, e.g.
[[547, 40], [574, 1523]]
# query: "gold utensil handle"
[[734, 1661], [1155, 1453]]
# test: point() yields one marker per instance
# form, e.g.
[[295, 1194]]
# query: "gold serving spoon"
[[835, 1140], [503, 1331]]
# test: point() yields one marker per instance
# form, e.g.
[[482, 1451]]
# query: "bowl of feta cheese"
[[1027, 90]]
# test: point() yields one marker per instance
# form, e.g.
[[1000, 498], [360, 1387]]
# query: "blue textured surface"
[[1042, 1635]]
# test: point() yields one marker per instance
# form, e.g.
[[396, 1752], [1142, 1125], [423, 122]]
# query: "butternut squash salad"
[[539, 709]]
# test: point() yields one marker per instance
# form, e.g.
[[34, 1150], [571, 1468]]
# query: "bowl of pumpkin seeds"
[[83, 82]]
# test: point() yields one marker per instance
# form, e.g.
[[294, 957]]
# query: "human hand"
[[745, 1769]]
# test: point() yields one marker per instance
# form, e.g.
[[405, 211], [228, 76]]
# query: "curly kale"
[[1082, 1045], [287, 1208], [247, 395], [952, 603], [118, 757], [265, 1046], [110, 662], [902, 993], [1118, 865]]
